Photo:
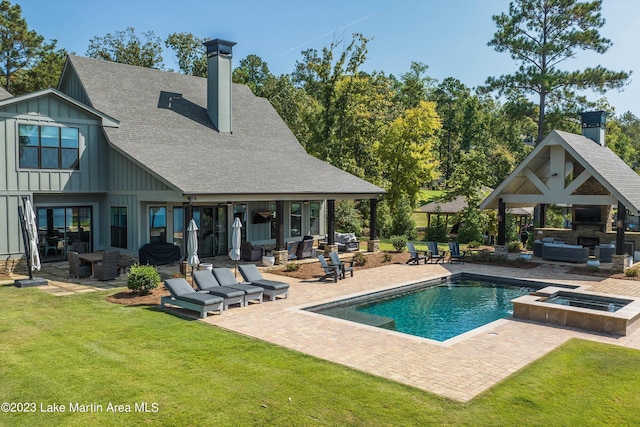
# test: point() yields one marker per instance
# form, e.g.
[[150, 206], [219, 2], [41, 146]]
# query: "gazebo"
[[577, 171]]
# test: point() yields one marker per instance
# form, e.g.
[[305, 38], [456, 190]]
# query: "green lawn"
[[82, 349]]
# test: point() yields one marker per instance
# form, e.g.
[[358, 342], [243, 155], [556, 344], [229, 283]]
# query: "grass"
[[80, 348]]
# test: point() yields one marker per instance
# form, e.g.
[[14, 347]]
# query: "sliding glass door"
[[62, 229]]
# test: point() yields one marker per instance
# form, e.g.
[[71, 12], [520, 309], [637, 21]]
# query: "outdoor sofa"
[[564, 252]]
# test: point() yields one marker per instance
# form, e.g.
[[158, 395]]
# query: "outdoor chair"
[[50, 245], [107, 269], [455, 254], [414, 255], [292, 248], [183, 295], [433, 254], [329, 270], [344, 268], [225, 277], [77, 269], [205, 282], [80, 247], [271, 288], [249, 253], [305, 248]]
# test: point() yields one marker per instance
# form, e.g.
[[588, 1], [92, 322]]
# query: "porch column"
[[621, 223], [280, 253], [374, 244], [502, 224], [543, 215], [331, 227]]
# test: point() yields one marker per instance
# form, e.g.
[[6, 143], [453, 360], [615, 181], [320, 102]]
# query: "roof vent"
[[594, 126]]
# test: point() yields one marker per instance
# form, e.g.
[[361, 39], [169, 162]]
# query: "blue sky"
[[450, 36]]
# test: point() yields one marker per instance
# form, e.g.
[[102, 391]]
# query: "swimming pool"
[[438, 310]]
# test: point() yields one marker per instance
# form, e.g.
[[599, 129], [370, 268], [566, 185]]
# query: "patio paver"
[[459, 369]]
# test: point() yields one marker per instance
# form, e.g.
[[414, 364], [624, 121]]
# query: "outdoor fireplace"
[[589, 242]]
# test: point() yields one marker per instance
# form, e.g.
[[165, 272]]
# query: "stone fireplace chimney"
[[219, 83], [594, 126]]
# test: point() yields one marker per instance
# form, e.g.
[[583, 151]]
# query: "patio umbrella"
[[32, 233], [192, 246], [234, 254]]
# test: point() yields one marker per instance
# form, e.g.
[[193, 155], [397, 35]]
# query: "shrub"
[[402, 221], [359, 259], [142, 278], [594, 269], [474, 244], [387, 257], [436, 232], [292, 266], [514, 246], [399, 242], [631, 272]]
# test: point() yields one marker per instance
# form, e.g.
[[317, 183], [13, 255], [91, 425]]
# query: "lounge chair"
[[271, 288], [329, 270], [225, 278], [455, 254], [107, 269], [183, 295], [433, 254], [415, 255], [207, 283], [344, 268]]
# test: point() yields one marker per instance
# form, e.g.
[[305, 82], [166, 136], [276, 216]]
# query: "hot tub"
[[592, 311]]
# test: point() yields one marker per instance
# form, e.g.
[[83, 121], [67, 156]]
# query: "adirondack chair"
[[434, 255], [414, 255], [455, 254], [329, 270]]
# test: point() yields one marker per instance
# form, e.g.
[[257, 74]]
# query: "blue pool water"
[[437, 312]]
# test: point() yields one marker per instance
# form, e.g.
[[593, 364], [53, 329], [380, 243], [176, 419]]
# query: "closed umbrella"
[[32, 233], [192, 246], [234, 254]]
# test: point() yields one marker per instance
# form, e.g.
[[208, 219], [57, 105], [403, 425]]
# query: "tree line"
[[405, 132]]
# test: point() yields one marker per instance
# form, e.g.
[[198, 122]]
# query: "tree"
[[191, 55], [126, 47], [542, 34], [406, 153], [45, 73], [18, 45], [253, 72]]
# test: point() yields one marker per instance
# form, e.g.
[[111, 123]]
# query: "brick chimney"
[[219, 83], [594, 126]]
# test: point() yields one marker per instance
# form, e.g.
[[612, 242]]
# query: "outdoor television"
[[584, 214], [261, 217]]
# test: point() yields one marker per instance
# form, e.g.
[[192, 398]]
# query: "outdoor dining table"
[[92, 258]]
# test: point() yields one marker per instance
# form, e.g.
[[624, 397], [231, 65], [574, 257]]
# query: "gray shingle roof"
[[611, 172], [622, 181], [165, 127], [4, 94]]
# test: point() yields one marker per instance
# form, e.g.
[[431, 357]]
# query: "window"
[[48, 147], [314, 218], [296, 219], [178, 226], [119, 227], [157, 224]]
